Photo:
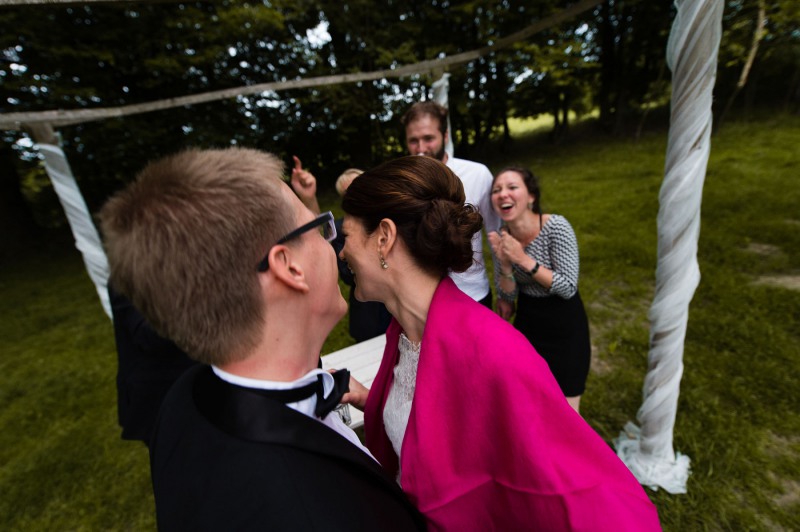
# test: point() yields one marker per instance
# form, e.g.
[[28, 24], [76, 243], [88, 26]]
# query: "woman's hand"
[[357, 396], [505, 309], [495, 240], [509, 248]]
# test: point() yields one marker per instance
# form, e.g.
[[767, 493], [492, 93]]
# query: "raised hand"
[[305, 185]]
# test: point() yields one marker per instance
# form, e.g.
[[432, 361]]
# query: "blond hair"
[[183, 241], [344, 180]]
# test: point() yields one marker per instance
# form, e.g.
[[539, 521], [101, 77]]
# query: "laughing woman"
[[537, 258], [463, 411]]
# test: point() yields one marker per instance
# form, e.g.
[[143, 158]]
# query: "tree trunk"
[[793, 93], [17, 224], [556, 133], [649, 100], [623, 68], [503, 108], [507, 140], [607, 65], [751, 91], [758, 35]]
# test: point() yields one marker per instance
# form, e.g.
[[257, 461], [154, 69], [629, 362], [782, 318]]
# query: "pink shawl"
[[491, 443]]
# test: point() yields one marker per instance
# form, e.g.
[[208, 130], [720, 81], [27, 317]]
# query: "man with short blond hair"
[[221, 257]]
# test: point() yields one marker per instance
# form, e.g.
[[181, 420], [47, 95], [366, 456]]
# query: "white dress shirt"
[[477, 181]]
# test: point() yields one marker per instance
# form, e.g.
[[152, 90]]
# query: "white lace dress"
[[398, 403]]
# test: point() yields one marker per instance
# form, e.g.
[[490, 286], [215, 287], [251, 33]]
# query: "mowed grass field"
[[63, 466]]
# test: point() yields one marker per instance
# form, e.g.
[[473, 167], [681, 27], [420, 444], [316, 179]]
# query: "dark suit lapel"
[[244, 413]]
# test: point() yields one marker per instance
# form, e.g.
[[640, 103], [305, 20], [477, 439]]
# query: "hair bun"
[[445, 232]]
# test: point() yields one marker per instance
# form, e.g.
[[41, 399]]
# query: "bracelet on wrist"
[[509, 276]]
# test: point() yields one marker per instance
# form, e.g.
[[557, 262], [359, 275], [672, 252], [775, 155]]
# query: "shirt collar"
[[305, 406]]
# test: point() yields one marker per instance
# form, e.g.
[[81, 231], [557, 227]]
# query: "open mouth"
[[505, 207]]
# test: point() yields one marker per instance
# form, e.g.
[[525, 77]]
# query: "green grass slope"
[[63, 466]]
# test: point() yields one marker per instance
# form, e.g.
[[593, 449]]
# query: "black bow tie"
[[341, 385]]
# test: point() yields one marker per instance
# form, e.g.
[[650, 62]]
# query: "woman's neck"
[[525, 227], [411, 301]]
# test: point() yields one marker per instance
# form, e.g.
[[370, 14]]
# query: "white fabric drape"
[[441, 90], [692, 56], [87, 240]]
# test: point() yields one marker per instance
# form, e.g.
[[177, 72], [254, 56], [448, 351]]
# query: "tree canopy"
[[609, 58]]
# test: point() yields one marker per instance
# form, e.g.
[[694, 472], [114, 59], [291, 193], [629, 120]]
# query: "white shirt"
[[306, 406], [477, 181]]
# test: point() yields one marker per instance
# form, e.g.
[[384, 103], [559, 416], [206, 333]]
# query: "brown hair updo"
[[425, 200]]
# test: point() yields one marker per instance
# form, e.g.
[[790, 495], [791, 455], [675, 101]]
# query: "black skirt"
[[559, 330]]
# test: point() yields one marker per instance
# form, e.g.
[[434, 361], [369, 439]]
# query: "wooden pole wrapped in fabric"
[[87, 240], [692, 56]]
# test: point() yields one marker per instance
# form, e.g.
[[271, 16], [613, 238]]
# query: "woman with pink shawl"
[[463, 410]]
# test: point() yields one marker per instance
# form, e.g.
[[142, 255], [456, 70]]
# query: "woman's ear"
[[387, 235], [284, 266]]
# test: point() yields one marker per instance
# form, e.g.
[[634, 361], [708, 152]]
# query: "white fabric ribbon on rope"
[[692, 56], [441, 90], [87, 240]]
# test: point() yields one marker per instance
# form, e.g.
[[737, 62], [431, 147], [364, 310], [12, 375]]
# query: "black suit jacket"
[[148, 364], [224, 458]]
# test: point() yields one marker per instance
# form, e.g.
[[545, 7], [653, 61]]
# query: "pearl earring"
[[383, 263]]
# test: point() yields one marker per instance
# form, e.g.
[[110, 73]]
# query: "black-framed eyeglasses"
[[324, 223]]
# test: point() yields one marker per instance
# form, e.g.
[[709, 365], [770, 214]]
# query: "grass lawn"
[[63, 466]]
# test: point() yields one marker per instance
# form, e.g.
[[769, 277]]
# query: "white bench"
[[363, 360]]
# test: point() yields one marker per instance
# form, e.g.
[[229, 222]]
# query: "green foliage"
[[108, 55], [631, 38], [38, 191], [111, 54], [775, 75], [63, 466]]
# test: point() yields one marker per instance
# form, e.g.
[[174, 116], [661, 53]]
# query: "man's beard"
[[439, 155]]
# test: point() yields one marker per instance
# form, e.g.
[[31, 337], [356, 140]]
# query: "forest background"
[[609, 60]]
